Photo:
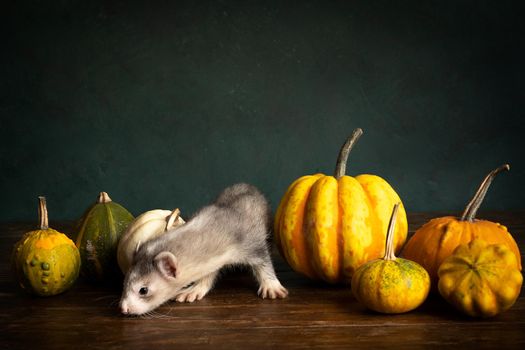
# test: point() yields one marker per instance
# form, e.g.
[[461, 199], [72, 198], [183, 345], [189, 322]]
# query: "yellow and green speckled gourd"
[[481, 279], [99, 232], [327, 226], [391, 285], [46, 262]]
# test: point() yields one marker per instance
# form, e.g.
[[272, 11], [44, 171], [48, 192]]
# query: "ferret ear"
[[166, 262]]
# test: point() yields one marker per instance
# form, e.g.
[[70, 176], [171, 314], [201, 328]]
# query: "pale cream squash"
[[146, 226]]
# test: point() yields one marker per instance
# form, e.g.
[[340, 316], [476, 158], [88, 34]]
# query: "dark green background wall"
[[163, 103]]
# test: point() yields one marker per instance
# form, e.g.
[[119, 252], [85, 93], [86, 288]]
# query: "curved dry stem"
[[43, 220], [340, 167], [470, 211], [389, 247], [173, 219]]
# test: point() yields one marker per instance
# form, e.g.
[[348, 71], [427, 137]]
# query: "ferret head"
[[149, 283]]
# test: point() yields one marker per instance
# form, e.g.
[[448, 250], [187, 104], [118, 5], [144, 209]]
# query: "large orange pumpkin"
[[328, 226], [437, 239]]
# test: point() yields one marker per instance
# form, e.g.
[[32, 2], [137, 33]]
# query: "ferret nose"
[[124, 308]]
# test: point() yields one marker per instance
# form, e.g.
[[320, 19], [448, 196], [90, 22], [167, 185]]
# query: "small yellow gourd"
[[391, 285], [480, 279]]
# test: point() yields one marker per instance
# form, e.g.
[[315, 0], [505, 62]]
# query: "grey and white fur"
[[183, 263]]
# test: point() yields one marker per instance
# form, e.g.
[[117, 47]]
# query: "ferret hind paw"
[[272, 291]]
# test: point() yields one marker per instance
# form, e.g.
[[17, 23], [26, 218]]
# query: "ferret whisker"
[[114, 303], [162, 316], [145, 316], [169, 311], [112, 296], [155, 315]]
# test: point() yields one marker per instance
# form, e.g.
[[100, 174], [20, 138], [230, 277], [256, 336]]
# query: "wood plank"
[[232, 316]]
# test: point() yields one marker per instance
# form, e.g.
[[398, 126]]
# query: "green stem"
[[340, 168], [470, 211], [389, 247]]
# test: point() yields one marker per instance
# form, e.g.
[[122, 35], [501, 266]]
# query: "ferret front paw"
[[191, 296], [193, 293], [272, 290]]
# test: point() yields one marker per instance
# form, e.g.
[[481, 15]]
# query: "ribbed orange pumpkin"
[[328, 226], [438, 238]]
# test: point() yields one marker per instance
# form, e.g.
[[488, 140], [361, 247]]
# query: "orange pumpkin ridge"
[[292, 243]]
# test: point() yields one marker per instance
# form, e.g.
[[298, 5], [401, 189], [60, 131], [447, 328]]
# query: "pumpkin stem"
[[103, 197], [470, 211], [389, 247], [42, 213], [340, 167], [173, 218]]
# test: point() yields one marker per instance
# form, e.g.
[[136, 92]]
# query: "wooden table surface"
[[232, 316]]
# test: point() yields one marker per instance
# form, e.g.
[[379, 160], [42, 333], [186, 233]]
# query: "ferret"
[[183, 264]]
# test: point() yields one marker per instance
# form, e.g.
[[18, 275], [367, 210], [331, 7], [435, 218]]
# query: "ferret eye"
[[143, 291]]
